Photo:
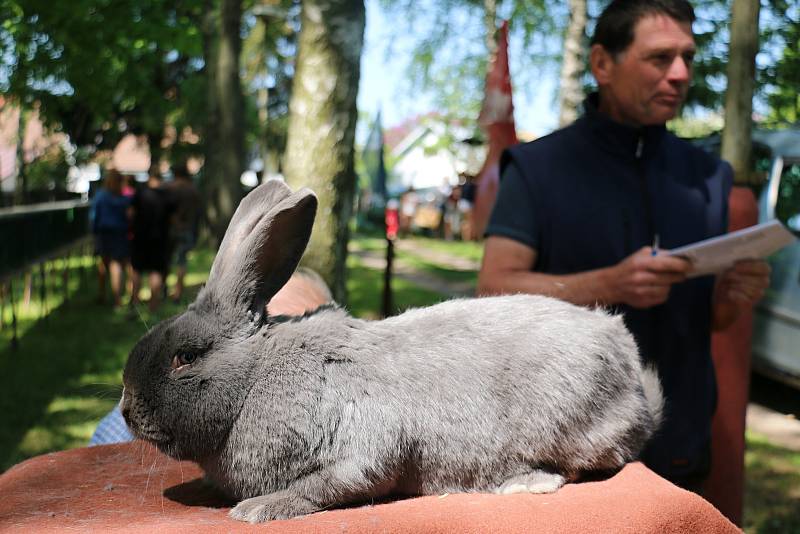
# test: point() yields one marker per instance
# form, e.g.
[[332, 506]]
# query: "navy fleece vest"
[[591, 194]]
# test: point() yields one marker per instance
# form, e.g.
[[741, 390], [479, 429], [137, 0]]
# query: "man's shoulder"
[[687, 147], [685, 152], [546, 150], [553, 141]]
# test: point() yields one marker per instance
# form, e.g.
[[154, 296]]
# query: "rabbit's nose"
[[125, 406]]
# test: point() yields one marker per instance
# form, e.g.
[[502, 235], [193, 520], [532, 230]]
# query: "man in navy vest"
[[582, 215]]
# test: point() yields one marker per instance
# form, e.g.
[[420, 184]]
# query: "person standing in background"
[[109, 216], [151, 210], [184, 223]]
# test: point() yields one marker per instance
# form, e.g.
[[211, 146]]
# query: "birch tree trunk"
[[319, 151], [571, 91], [736, 137]]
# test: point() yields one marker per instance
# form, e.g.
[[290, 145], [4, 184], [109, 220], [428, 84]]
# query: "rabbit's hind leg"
[[278, 505], [344, 482], [537, 481]]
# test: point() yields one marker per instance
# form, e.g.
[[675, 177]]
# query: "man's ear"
[[602, 64]]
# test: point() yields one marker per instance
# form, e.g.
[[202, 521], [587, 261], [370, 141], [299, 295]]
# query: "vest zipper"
[[646, 203]]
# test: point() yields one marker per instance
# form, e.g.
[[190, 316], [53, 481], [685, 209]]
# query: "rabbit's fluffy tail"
[[653, 393]]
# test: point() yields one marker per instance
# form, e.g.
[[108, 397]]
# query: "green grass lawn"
[[772, 487], [67, 369], [66, 373]]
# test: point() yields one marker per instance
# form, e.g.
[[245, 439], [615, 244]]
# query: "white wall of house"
[[422, 164]]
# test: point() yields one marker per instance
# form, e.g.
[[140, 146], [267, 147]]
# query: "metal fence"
[[32, 237], [35, 233]]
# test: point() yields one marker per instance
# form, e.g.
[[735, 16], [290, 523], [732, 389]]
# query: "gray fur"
[[294, 415]]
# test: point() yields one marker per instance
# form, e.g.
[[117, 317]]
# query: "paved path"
[[776, 420], [779, 428], [404, 270]]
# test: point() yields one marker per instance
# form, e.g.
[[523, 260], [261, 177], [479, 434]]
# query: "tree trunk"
[[21, 180], [572, 67], [736, 137], [724, 487], [224, 136], [319, 151], [154, 146], [210, 133]]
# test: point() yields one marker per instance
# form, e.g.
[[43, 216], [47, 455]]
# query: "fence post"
[[2, 305], [26, 295], [43, 291], [14, 340], [65, 274]]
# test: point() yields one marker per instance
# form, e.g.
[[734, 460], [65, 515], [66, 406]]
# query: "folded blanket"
[[131, 487]]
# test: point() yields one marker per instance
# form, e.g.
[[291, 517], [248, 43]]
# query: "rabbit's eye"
[[181, 359]]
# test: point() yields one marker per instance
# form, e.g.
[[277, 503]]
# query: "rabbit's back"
[[529, 377], [455, 397]]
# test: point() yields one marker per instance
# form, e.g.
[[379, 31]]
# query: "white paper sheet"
[[719, 253]]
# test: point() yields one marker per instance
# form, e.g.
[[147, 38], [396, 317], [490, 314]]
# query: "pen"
[[655, 245]]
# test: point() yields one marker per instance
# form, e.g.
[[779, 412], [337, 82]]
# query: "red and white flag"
[[497, 120]]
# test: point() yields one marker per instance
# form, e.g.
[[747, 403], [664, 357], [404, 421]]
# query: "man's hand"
[[643, 280], [743, 284]]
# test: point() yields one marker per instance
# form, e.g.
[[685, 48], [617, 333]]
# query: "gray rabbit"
[[292, 415]]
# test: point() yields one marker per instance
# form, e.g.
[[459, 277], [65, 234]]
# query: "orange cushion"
[[132, 487]]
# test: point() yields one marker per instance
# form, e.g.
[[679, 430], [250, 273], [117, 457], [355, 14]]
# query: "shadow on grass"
[[66, 372], [772, 488]]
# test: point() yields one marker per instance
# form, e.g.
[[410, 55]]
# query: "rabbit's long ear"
[[262, 247]]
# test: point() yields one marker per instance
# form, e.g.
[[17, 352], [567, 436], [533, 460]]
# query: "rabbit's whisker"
[[149, 474], [141, 317]]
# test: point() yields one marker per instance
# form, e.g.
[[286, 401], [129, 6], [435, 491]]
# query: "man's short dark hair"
[[615, 27]]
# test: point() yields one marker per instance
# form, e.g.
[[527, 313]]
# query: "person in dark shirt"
[[582, 214], [184, 223], [151, 211]]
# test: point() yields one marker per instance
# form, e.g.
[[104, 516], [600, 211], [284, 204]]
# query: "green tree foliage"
[[268, 55], [100, 68], [449, 60], [781, 78], [48, 173], [777, 63]]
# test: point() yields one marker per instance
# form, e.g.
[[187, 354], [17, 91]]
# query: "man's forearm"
[[588, 288], [723, 314]]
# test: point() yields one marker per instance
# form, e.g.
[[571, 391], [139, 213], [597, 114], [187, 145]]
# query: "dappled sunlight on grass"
[[772, 487], [67, 370], [365, 292], [470, 250], [68, 422]]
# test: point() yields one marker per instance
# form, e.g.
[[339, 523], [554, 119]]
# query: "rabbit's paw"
[[533, 482], [273, 506]]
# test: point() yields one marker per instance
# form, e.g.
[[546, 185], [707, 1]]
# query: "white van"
[[776, 328]]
